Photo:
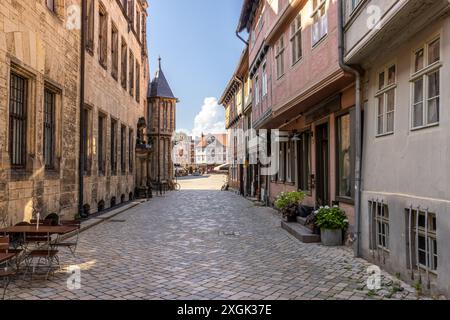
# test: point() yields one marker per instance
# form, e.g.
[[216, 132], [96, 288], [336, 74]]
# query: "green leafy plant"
[[288, 202], [333, 218], [286, 199]]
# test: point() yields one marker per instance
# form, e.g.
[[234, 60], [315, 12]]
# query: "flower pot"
[[331, 238]]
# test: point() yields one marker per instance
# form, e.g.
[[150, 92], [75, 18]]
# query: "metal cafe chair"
[[44, 256], [72, 243], [6, 271]]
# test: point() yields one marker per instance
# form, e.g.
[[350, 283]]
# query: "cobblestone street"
[[202, 243]]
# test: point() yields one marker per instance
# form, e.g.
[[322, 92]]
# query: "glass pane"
[[418, 91], [434, 51], [380, 125], [433, 85], [380, 105], [419, 60], [390, 122], [433, 111], [390, 100], [422, 258], [422, 220], [418, 115], [381, 80], [392, 75], [345, 188]]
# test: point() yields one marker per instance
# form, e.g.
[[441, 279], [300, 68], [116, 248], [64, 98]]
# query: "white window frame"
[[424, 75], [264, 80], [257, 97], [383, 93], [321, 25], [279, 57], [296, 35]]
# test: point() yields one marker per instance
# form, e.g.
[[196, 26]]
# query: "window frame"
[[424, 74], [279, 57], [23, 118], [316, 12], [296, 39], [344, 198], [103, 36], [383, 95], [101, 150], [49, 126], [114, 51]]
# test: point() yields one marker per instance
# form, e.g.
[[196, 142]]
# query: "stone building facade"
[[39, 104], [161, 113], [115, 99], [39, 76], [406, 180]]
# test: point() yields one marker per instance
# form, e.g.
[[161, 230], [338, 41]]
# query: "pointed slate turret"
[[159, 87]]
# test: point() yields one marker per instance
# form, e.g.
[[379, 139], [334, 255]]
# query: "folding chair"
[[70, 244]]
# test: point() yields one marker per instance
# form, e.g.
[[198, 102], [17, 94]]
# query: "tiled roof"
[[159, 87]]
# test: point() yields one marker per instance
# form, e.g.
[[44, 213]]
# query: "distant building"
[[181, 153], [211, 151]]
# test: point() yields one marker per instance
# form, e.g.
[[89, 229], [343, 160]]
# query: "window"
[[131, 12], [320, 24], [138, 24], [123, 67], [426, 86], [49, 128], [290, 162], [101, 144], [344, 157], [354, 4], [102, 36], [50, 5], [386, 100], [422, 240], [90, 26], [279, 57], [282, 162], [379, 225], [264, 81], [131, 75], [165, 106], [138, 82], [123, 142], [113, 150], [114, 52], [86, 141], [304, 151], [257, 97], [130, 150], [18, 103], [296, 39]]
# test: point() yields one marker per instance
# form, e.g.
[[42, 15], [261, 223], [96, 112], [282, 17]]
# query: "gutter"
[[356, 71], [82, 120]]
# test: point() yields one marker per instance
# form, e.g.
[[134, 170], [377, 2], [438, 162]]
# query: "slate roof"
[[159, 87]]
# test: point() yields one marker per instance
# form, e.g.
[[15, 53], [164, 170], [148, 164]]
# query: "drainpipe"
[[82, 118], [358, 127], [240, 38]]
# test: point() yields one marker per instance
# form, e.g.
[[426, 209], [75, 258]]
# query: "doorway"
[[322, 165]]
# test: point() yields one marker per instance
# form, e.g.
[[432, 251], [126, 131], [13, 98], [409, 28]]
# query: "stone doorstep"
[[300, 232], [85, 225]]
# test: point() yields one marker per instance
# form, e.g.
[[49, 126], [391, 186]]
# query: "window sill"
[[296, 63], [345, 200], [425, 127], [318, 43], [384, 134]]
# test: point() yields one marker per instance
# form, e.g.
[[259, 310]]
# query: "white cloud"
[[211, 119]]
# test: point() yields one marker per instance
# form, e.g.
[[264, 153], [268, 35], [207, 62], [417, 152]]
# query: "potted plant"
[[288, 202], [332, 223]]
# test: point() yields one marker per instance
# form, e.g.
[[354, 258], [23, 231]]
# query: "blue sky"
[[199, 50]]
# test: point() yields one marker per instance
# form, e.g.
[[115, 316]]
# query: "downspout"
[[82, 118], [358, 127], [240, 38]]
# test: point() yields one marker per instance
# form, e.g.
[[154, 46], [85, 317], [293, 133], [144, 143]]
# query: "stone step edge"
[[300, 232]]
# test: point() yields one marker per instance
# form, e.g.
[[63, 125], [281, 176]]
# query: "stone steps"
[[300, 232]]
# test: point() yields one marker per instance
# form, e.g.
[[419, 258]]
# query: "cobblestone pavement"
[[202, 243]]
